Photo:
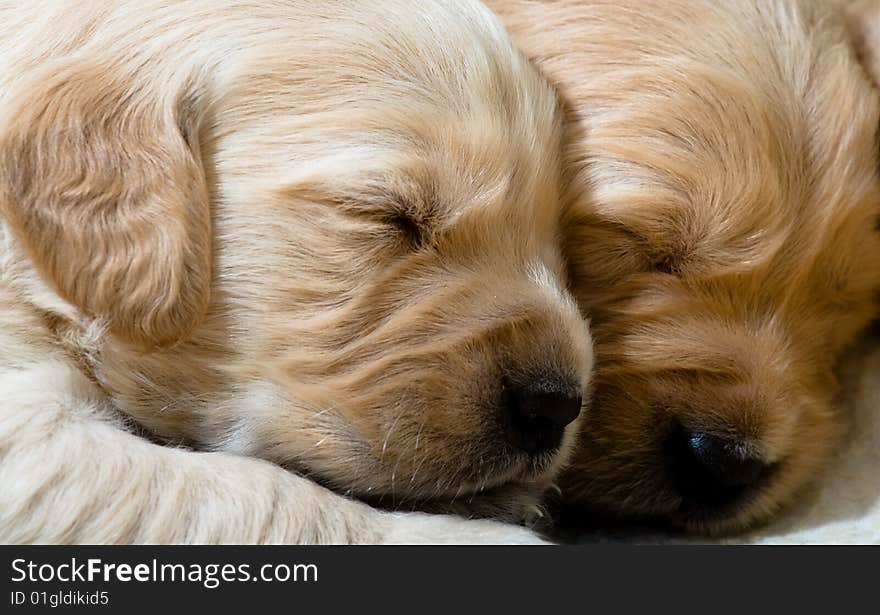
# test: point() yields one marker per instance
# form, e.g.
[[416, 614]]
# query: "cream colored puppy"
[[324, 235]]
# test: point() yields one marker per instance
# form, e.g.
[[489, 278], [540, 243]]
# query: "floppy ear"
[[101, 182], [864, 25]]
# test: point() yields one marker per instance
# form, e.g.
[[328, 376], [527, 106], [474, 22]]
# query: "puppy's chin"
[[755, 506], [783, 486], [519, 502], [519, 499], [668, 512], [510, 488]]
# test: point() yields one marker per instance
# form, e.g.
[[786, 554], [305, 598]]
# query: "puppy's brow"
[[422, 205], [662, 258]]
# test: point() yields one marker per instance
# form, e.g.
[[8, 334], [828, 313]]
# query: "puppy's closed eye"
[[652, 256], [410, 224], [412, 228], [666, 263], [670, 250]]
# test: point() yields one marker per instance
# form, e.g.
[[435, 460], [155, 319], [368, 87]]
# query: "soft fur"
[[325, 235], [723, 233], [843, 506]]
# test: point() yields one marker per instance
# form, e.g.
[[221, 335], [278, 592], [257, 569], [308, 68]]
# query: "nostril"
[[539, 412], [547, 401], [710, 468], [723, 460]]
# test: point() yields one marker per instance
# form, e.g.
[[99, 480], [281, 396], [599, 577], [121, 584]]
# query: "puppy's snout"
[[709, 469], [539, 412]]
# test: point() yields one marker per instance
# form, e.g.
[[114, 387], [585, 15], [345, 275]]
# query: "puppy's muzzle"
[[538, 413]]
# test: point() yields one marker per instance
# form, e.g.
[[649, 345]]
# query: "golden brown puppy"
[[723, 240], [320, 234]]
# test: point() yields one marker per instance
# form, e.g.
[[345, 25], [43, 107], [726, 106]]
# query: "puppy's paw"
[[419, 528]]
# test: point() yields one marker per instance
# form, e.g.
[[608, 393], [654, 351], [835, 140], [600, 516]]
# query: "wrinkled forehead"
[[694, 139], [361, 54], [402, 149], [707, 161], [431, 99], [461, 179]]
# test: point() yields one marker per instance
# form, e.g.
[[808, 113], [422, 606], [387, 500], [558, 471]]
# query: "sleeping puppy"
[[321, 235], [722, 241]]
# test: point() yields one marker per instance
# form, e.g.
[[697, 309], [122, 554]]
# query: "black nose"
[[539, 412], [709, 469]]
